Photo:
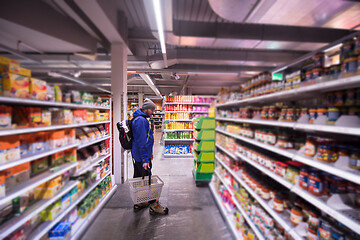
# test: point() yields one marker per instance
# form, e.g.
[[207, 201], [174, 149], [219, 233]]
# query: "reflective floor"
[[193, 214]]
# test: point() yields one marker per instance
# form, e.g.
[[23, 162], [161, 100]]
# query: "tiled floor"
[[193, 214]]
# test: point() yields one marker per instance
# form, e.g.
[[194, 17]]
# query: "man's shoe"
[[157, 208], [140, 206]]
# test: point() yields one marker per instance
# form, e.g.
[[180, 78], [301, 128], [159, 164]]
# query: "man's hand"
[[146, 166]]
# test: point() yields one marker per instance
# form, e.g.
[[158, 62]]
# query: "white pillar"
[[119, 91], [140, 99]]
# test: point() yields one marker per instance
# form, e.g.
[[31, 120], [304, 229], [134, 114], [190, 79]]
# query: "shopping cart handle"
[[149, 173]]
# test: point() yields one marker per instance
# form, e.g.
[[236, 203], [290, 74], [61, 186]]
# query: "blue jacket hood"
[[139, 112]]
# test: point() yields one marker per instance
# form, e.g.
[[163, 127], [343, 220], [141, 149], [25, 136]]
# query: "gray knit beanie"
[[148, 104]]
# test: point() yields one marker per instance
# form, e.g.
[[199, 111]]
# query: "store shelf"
[[178, 130], [282, 219], [36, 156], [35, 181], [178, 120], [186, 112], [45, 227], [269, 173], [285, 153], [257, 121], [184, 103], [31, 102], [343, 217], [93, 142], [223, 212], [189, 155], [297, 126], [16, 222], [92, 164], [300, 93], [230, 154], [179, 140], [352, 175], [82, 224], [48, 128], [243, 213]]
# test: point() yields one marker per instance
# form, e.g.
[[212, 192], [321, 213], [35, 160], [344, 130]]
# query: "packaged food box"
[[57, 159], [5, 61], [21, 203], [46, 117], [5, 116], [38, 142], [12, 67], [55, 182], [87, 98], [15, 85], [2, 185], [25, 140], [65, 201], [96, 132], [46, 193], [89, 133], [9, 148], [75, 97], [80, 115], [70, 136], [16, 175], [38, 89], [57, 139], [58, 93], [61, 117], [39, 166], [90, 116], [51, 212], [80, 134], [70, 155], [35, 116], [61, 231]]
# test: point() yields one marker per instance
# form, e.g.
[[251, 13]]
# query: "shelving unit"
[[351, 175], [16, 222], [302, 92], [224, 213], [298, 126], [48, 225], [158, 118], [238, 206]]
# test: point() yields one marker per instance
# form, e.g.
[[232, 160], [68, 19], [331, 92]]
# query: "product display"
[[49, 170]]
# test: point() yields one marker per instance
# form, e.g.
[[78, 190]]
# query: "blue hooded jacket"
[[143, 138]]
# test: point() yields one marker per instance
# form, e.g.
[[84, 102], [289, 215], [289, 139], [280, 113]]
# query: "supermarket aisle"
[[193, 214]]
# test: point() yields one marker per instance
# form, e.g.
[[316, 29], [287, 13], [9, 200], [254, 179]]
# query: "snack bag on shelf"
[[15, 85], [38, 89]]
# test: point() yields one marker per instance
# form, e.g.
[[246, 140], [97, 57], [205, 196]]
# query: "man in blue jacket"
[[142, 150]]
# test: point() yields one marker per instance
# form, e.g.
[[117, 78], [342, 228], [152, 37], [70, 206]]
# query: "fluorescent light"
[[159, 23], [149, 78], [215, 73], [131, 71], [279, 70], [333, 47]]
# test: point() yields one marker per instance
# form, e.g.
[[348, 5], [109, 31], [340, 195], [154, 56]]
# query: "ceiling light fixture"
[[160, 28], [150, 83], [280, 69]]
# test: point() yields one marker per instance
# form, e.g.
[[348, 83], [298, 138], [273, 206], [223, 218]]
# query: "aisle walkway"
[[193, 214]]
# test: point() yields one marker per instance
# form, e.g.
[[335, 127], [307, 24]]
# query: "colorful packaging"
[[58, 93], [51, 212], [57, 159], [57, 139], [39, 165], [90, 116], [75, 97], [46, 117], [35, 116], [16, 175], [70, 155], [38, 89], [61, 117], [2, 184], [15, 85], [5, 116], [80, 115], [9, 148], [38, 142], [13, 67], [25, 140], [70, 137], [6, 61]]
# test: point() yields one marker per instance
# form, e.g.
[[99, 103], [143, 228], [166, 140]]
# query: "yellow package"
[[46, 193], [14, 68], [38, 89], [15, 85], [6, 61], [55, 182]]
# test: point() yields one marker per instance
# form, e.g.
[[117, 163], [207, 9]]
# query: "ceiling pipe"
[[79, 81]]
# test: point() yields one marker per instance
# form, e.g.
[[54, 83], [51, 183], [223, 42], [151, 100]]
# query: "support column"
[[140, 99], [119, 91]]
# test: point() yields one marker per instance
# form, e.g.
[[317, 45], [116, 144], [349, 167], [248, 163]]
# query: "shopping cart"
[[142, 191]]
